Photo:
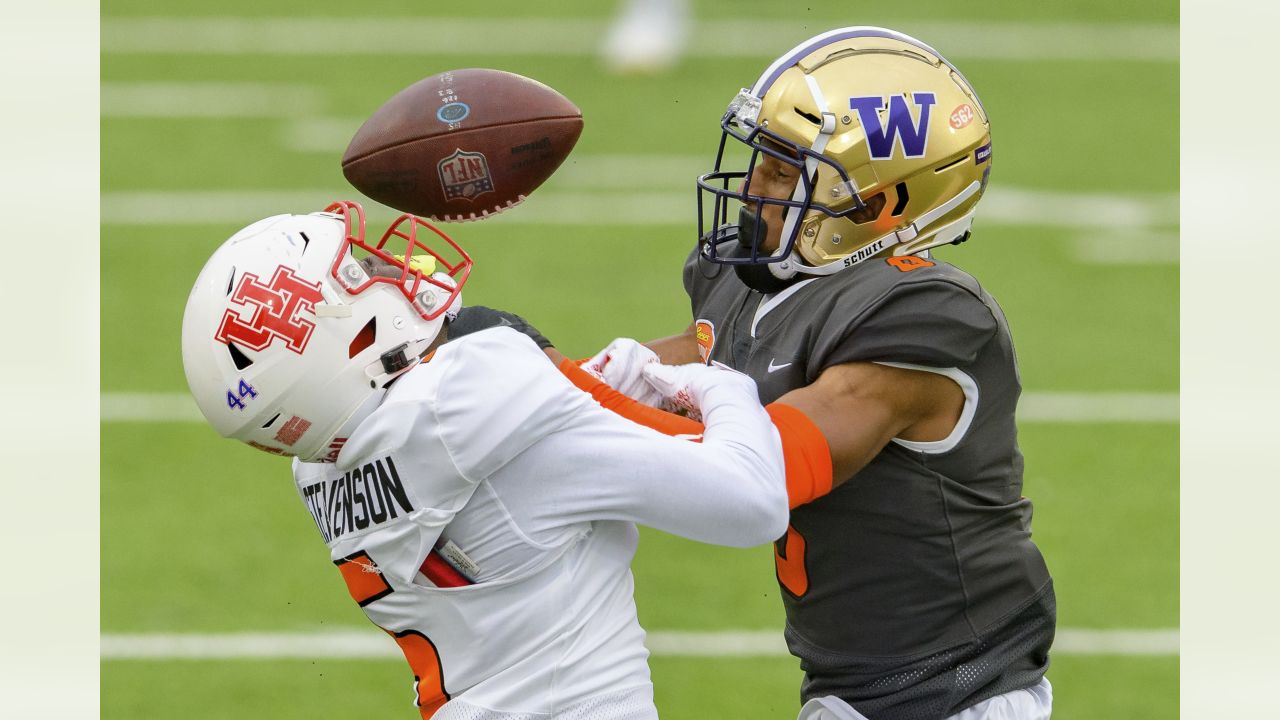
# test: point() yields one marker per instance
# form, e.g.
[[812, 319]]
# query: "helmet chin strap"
[[787, 269], [906, 237]]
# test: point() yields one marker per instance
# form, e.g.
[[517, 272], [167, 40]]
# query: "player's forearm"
[[737, 472], [728, 490], [676, 349], [807, 456]]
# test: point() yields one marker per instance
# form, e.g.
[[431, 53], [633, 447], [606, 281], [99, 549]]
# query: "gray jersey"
[[913, 590]]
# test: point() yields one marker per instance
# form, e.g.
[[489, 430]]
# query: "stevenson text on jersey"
[[364, 496]]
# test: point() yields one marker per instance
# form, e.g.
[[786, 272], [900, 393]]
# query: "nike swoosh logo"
[[775, 368]]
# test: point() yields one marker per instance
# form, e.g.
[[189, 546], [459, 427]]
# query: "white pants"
[[1033, 703]]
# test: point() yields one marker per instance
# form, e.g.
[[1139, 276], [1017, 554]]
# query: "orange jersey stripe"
[[364, 579]]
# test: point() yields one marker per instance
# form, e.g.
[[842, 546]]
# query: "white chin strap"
[[906, 238], [787, 269]]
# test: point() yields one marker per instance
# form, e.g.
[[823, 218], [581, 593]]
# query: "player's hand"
[[620, 365], [688, 387], [474, 318]]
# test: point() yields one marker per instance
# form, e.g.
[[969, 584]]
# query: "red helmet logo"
[[277, 310]]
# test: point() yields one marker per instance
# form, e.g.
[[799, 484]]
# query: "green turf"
[[1085, 688], [1106, 518], [822, 12], [1077, 326], [200, 535], [1133, 688]]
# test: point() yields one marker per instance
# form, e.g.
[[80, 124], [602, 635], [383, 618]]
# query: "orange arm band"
[[806, 453], [637, 412]]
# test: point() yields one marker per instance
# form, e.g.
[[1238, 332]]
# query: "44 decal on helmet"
[[237, 397], [277, 310]]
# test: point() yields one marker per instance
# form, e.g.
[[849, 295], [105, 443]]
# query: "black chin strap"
[[756, 276]]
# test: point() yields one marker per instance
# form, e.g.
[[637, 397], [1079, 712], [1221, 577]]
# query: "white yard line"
[[1049, 407], [1036, 407], [1131, 247], [370, 644], [577, 37], [565, 201], [1024, 206], [319, 134]]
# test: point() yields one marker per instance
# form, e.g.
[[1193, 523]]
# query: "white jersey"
[[531, 489]]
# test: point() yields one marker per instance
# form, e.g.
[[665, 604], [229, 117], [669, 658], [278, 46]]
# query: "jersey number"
[[366, 586], [907, 263], [788, 557]]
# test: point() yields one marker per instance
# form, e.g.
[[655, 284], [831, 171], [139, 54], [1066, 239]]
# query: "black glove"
[[473, 318]]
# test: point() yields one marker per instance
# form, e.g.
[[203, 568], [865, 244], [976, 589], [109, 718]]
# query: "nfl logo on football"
[[464, 175]]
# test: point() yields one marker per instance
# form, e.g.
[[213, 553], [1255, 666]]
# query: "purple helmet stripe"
[[779, 66]]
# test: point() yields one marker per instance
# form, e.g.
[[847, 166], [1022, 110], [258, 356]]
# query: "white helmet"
[[288, 340]]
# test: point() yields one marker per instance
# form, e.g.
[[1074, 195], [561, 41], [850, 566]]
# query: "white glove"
[[620, 364], [691, 387]]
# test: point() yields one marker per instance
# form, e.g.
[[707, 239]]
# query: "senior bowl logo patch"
[[705, 333], [464, 175]]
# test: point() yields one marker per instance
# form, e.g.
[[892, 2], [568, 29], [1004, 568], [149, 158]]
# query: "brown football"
[[463, 144]]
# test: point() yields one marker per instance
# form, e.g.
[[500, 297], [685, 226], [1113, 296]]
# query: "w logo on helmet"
[[881, 138], [276, 310]]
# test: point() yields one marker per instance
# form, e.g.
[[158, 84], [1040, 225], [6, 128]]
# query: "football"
[[462, 145]]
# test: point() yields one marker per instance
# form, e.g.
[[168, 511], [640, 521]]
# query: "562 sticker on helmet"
[[277, 310]]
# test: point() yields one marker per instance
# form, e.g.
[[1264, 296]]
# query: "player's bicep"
[[860, 407]]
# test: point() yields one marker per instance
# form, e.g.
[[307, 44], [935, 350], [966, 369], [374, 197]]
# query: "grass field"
[[1077, 238]]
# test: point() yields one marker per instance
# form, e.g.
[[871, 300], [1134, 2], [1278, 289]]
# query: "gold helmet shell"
[[894, 146]]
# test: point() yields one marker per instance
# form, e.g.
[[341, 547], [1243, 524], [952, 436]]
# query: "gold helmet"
[[891, 145]]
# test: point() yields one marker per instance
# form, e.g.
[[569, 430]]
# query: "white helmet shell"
[[286, 336]]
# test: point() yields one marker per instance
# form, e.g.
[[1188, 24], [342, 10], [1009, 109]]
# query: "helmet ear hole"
[[902, 200], [363, 339], [238, 357], [870, 210], [808, 116]]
